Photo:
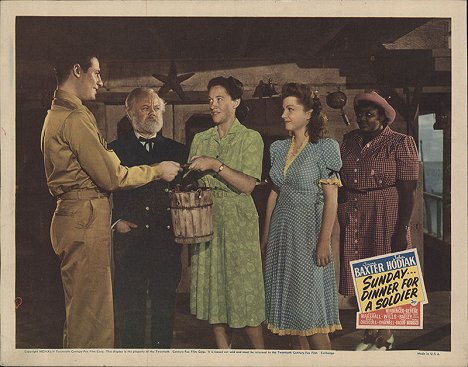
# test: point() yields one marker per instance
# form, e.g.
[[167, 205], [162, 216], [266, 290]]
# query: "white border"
[[347, 8]]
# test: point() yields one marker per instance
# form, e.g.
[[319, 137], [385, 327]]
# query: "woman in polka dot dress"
[[300, 287]]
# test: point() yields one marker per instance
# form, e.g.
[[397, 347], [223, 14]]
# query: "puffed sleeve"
[[407, 160], [100, 163], [252, 154], [330, 163]]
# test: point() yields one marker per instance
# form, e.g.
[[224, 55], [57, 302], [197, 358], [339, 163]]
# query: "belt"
[[365, 191], [82, 195]]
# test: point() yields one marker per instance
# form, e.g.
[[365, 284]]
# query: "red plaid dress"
[[368, 208]]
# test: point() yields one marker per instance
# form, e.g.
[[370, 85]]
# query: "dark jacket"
[[146, 206]]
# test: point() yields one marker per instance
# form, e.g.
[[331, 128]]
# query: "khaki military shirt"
[[76, 156]]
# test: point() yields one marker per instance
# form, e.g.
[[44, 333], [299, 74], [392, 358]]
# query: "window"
[[430, 150]]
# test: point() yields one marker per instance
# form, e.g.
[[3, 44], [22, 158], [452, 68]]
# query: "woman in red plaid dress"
[[379, 173]]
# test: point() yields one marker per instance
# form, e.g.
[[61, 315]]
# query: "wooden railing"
[[429, 200]]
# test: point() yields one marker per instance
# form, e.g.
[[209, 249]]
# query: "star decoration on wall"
[[172, 82]]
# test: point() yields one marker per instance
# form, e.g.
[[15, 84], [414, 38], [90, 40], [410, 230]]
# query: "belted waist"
[[365, 191], [83, 195]]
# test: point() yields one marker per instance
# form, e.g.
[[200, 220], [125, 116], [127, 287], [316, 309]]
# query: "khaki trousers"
[[81, 236]]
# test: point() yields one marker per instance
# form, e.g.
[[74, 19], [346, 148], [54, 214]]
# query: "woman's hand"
[[124, 226], [240, 181], [406, 191], [271, 203], [399, 241], [322, 253], [204, 163], [330, 205]]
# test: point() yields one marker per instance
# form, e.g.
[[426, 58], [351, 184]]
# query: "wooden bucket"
[[192, 215]]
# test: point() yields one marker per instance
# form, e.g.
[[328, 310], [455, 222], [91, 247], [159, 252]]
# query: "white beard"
[[150, 127]]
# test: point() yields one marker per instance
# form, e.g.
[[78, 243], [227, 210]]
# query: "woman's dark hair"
[[235, 89], [375, 106], [316, 129], [65, 62]]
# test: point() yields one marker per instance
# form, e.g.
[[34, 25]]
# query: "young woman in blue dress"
[[300, 287]]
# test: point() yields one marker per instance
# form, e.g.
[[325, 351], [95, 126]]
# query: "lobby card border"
[[453, 9]]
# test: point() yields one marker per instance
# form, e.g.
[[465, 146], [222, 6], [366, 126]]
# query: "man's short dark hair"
[[64, 63]]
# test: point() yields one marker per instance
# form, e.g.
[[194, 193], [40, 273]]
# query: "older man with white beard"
[[147, 260]]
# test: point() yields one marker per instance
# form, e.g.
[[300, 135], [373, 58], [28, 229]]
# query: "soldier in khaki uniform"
[[80, 172]]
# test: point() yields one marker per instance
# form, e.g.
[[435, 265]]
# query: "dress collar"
[[386, 131], [235, 128]]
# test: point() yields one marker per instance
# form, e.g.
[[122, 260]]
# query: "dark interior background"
[[370, 53]]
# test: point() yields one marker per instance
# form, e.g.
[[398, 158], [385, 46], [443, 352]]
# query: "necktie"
[[148, 143]]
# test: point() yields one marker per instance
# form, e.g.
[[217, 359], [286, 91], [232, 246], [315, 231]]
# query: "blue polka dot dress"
[[301, 297]]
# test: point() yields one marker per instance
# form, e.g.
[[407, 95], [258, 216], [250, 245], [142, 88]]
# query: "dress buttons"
[[168, 227], [166, 189], [147, 225], [168, 208], [147, 208], [367, 145]]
